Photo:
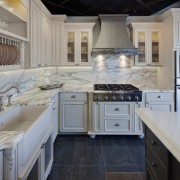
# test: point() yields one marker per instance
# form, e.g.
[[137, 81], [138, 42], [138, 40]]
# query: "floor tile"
[[64, 149], [88, 173], [143, 177], [121, 169], [136, 148], [60, 173], [88, 151], [116, 151], [123, 176]]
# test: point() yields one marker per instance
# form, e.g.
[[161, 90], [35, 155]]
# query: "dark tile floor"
[[102, 158]]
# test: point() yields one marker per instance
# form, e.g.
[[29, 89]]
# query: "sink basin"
[[33, 121]]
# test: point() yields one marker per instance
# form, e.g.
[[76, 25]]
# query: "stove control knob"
[[99, 98], [128, 98], [136, 98], [106, 98], [113, 98], [121, 98]]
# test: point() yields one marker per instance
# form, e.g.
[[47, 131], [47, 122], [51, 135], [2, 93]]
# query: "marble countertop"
[[9, 139], [166, 126]]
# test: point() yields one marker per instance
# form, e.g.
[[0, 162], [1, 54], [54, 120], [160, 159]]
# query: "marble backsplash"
[[104, 69]]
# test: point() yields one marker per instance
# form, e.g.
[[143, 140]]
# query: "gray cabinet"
[[73, 112], [158, 158]]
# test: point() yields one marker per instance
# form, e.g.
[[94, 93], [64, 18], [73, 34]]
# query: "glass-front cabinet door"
[[71, 47], [141, 44], [155, 47]]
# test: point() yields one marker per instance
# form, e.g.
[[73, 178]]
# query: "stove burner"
[[115, 87], [116, 92]]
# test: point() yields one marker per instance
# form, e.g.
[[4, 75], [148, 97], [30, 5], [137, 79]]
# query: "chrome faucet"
[[1, 104], [13, 87]]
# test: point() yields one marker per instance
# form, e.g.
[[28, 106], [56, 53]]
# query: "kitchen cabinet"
[[73, 112], [157, 158], [15, 15], [78, 43], [55, 115], [41, 37], [147, 37], [159, 101], [115, 118]]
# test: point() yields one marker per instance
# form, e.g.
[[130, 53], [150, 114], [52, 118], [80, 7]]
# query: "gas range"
[[116, 92]]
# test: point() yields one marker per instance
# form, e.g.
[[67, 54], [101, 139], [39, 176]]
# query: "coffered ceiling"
[[96, 7]]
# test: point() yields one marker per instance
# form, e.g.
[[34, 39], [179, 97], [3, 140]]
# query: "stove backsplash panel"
[[104, 69]]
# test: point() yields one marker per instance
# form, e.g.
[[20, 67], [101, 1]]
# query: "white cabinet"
[[41, 37], [147, 37], [115, 118], [73, 112], [16, 15], [177, 31], [78, 43], [158, 101], [55, 115]]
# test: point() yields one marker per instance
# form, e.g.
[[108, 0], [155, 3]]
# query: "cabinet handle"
[[117, 124], [116, 109], [39, 65], [73, 96], [159, 97], [153, 164], [153, 142]]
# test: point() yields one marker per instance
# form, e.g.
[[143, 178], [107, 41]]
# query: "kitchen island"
[[162, 143]]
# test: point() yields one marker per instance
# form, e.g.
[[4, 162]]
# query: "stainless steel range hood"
[[113, 37]]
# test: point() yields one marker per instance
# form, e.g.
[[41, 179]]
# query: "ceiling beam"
[[145, 5]]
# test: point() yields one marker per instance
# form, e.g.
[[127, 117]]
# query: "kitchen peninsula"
[[162, 143]]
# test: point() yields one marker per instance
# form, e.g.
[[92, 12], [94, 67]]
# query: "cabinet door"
[[177, 32], [55, 117], [84, 46], [34, 36], [56, 44], [137, 121], [71, 47], [155, 48], [98, 121], [141, 42], [42, 39], [157, 106], [73, 116]]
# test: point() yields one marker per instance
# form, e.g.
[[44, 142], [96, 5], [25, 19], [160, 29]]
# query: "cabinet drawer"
[[118, 109], [159, 97], [118, 125], [157, 147], [155, 165], [73, 96]]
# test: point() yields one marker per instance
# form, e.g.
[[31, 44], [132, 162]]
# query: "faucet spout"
[[13, 87]]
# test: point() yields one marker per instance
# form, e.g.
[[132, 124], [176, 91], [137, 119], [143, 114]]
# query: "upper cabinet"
[[78, 43], [41, 36], [147, 37], [14, 15]]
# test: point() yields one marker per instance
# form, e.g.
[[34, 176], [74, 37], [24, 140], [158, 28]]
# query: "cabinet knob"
[[159, 97], [54, 108], [117, 124], [73, 96], [153, 142], [116, 109], [153, 164]]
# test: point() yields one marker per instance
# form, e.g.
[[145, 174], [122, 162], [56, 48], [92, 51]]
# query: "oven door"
[[178, 98]]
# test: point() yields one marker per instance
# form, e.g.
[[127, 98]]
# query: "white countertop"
[[166, 126]]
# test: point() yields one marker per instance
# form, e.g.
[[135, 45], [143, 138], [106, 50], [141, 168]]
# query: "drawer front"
[[159, 97], [73, 96], [155, 165], [118, 109], [157, 147], [118, 125]]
